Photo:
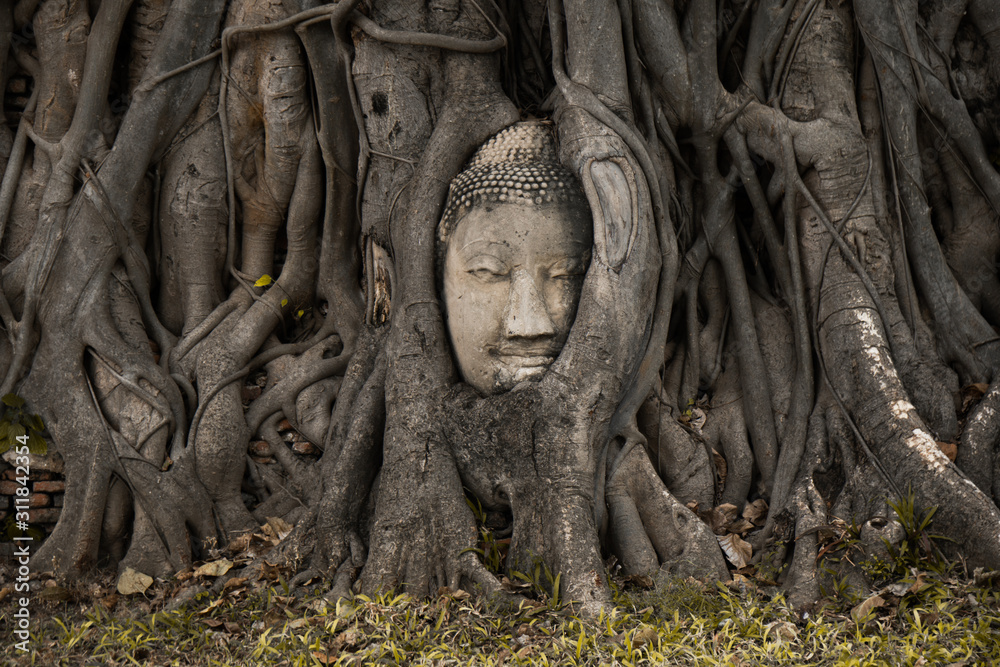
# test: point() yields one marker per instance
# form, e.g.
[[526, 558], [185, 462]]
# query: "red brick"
[[47, 515], [10, 473], [9, 488], [304, 447], [260, 448], [57, 486], [41, 475], [39, 500]]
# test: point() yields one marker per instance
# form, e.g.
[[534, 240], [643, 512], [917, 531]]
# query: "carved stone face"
[[512, 280]]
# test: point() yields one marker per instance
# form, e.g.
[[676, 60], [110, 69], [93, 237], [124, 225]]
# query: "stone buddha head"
[[514, 244]]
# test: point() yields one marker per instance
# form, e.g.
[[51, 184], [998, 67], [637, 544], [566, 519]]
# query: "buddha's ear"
[[611, 190], [602, 161]]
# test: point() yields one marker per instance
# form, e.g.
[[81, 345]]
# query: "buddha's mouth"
[[522, 368]]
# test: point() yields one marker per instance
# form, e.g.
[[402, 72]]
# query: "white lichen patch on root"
[[901, 409], [923, 444]]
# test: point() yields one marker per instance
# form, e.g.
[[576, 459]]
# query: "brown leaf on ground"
[[972, 393], [919, 584], [715, 519], [131, 582], [866, 607], [347, 639], [646, 635], [950, 449], [783, 631], [210, 607], [511, 586], [721, 467], [327, 658], [741, 584], [276, 528], [240, 544], [737, 551], [235, 582], [728, 510], [640, 580], [216, 568], [756, 512]]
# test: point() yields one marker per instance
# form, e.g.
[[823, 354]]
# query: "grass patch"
[[935, 621]]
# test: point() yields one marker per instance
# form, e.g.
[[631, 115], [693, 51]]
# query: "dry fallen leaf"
[[721, 468], [131, 582], [280, 527], [737, 551], [741, 526], [783, 630], [919, 584], [234, 583], [973, 393], [216, 568], [646, 635], [346, 640], [865, 608], [728, 510], [212, 606], [715, 519], [511, 586], [950, 449], [756, 512], [641, 580], [240, 544], [324, 658]]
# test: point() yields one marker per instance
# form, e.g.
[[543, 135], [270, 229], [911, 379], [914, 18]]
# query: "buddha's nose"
[[526, 315]]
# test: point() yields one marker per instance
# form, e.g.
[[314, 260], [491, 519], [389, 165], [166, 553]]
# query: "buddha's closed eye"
[[571, 267], [487, 268]]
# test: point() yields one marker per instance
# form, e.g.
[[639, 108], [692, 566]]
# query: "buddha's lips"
[[523, 361], [545, 352]]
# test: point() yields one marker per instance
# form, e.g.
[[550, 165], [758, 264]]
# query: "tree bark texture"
[[218, 225]]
